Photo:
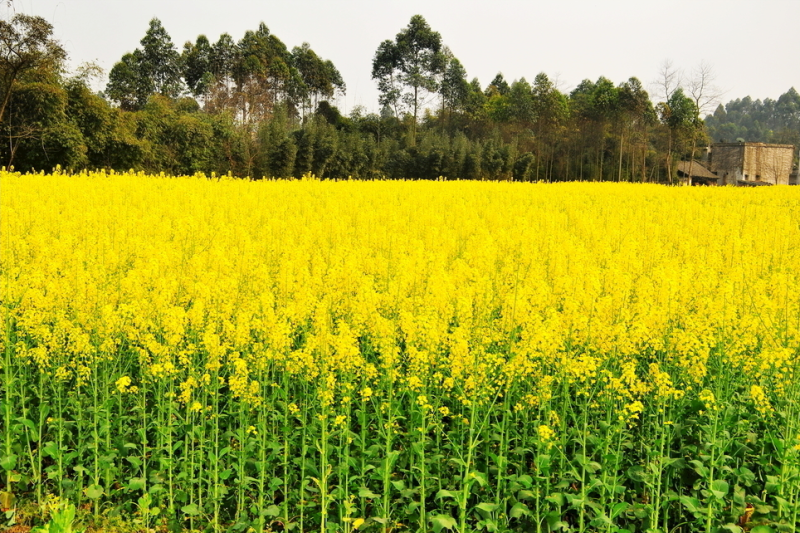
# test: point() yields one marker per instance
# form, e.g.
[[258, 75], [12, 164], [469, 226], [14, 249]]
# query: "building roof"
[[698, 170], [739, 144]]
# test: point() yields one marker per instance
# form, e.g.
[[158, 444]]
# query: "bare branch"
[[668, 80]]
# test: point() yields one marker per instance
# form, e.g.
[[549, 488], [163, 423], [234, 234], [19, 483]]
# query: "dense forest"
[[255, 108]]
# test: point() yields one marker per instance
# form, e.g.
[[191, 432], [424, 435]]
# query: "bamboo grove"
[[255, 108], [300, 355]]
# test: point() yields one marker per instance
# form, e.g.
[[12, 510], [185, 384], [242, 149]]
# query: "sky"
[[752, 47]]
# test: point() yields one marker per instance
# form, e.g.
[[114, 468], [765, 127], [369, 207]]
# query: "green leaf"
[[94, 491], [733, 528], [364, 492], [446, 494], [441, 521], [691, 504], [720, 488], [480, 477], [762, 529], [8, 462], [618, 509], [28, 424], [554, 521], [487, 507], [272, 510], [190, 509], [136, 483], [519, 510]]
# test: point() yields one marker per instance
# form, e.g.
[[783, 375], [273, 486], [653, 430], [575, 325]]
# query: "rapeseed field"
[[218, 354]]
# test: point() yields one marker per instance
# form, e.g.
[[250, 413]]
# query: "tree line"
[[255, 108]]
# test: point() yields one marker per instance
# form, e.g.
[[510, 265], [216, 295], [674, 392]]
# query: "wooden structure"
[[700, 174]]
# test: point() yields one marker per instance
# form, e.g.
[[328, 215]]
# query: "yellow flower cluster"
[[463, 291]]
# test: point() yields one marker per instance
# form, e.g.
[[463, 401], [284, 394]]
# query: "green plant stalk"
[[710, 508], [500, 500], [423, 468], [42, 422], [584, 429], [190, 450], [286, 451], [604, 504], [241, 486], [171, 447], [466, 483], [262, 467], [145, 509], [95, 436], [80, 441], [323, 474], [60, 432], [215, 482], [389, 426], [362, 420], [9, 384], [345, 509], [303, 452]]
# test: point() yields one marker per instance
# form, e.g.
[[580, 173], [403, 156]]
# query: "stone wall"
[[771, 163]]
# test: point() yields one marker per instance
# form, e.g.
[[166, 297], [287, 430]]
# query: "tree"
[[454, 87], [679, 114], [409, 68], [316, 78], [126, 84], [704, 94], [499, 84], [160, 61], [196, 62], [26, 44], [153, 69], [262, 74]]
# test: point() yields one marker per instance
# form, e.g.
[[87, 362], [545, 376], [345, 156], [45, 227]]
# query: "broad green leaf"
[[8, 462], [136, 483], [441, 521], [488, 507], [190, 509], [480, 477], [446, 494], [762, 529], [364, 492], [272, 510], [519, 510], [720, 488], [691, 504], [94, 491], [618, 509], [733, 528]]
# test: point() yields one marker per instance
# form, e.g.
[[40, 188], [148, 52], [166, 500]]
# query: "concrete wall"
[[771, 163], [727, 161]]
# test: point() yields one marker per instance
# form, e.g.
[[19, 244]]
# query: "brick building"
[[749, 163]]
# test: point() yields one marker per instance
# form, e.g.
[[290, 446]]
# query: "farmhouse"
[[751, 163]]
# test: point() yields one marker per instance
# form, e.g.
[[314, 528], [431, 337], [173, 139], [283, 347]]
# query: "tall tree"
[[316, 78], [196, 63], [153, 69], [454, 87], [26, 43], [410, 67]]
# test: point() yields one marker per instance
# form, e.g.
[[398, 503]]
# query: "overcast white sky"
[[753, 46]]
